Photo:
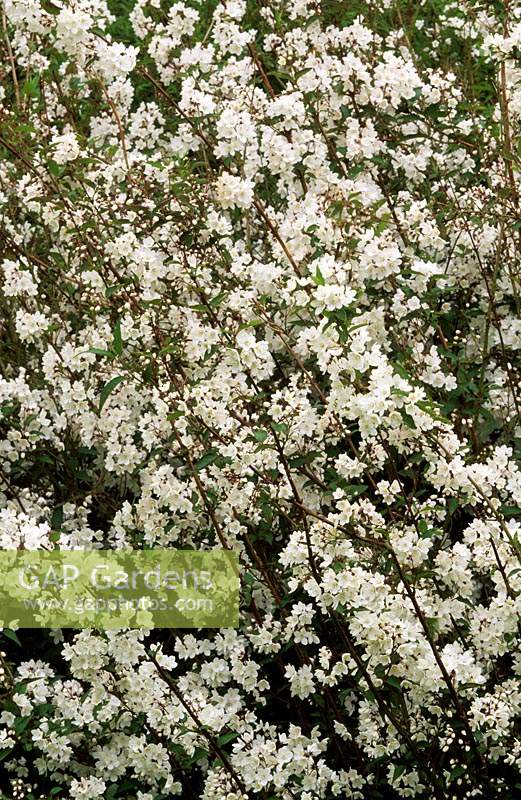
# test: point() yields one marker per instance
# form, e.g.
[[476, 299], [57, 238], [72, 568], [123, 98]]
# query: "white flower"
[[87, 788], [301, 680], [65, 147], [234, 192]]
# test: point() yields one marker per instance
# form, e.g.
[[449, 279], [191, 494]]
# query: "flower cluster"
[[260, 290]]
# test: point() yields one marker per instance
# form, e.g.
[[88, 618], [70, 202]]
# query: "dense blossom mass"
[[260, 290]]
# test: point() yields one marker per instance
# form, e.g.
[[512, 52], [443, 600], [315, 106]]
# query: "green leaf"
[[433, 625], [510, 511], [452, 505], [55, 169], [169, 348], [409, 421], [300, 461], [457, 772], [57, 517], [117, 343], [31, 87], [355, 489], [319, 278], [253, 323], [227, 737], [216, 301], [382, 225], [107, 389], [261, 436], [21, 724], [9, 634], [207, 459], [99, 352], [43, 457], [280, 427]]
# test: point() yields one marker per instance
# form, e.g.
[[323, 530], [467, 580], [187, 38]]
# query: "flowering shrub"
[[260, 291]]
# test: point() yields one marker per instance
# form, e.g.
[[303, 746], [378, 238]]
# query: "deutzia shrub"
[[260, 290]]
